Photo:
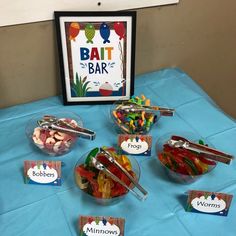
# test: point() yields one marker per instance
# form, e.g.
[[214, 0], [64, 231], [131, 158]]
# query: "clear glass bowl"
[[174, 173], [85, 188], [133, 122], [52, 142]]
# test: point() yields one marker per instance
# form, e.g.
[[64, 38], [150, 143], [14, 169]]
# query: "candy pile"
[[98, 184], [54, 142], [186, 163], [134, 122]]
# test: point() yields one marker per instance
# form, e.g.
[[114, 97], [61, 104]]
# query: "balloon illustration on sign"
[[74, 30], [104, 221], [119, 29], [105, 32], [89, 32], [44, 166], [97, 220], [32, 165]]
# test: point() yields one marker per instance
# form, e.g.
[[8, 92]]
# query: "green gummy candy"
[[92, 154], [201, 142]]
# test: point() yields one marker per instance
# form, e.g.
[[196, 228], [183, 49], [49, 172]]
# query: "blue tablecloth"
[[46, 210]]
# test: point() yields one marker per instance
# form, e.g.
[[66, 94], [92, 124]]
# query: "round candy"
[[54, 142]]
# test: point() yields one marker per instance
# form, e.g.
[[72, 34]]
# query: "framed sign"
[[96, 54]]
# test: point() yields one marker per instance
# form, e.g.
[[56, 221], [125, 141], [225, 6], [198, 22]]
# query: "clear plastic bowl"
[[133, 122], [81, 184], [175, 175], [184, 179], [52, 142]]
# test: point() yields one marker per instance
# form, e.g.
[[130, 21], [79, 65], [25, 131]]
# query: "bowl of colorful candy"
[[134, 116], [96, 184], [42, 132], [181, 162]]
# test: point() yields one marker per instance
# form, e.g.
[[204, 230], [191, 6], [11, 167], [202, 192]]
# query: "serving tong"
[[92, 158], [210, 153], [134, 107], [50, 122]]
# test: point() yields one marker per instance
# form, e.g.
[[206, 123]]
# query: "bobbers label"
[[101, 226], [208, 202], [42, 172], [139, 145]]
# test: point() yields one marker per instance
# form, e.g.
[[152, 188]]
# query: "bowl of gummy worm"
[[132, 117], [184, 165], [96, 183]]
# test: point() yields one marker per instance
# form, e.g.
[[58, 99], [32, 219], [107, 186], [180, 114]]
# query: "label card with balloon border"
[[101, 225], [96, 55], [42, 172], [138, 145], [208, 202]]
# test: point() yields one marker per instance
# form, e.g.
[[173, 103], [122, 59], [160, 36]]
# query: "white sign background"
[[94, 229], [208, 205], [134, 147], [42, 175], [75, 46]]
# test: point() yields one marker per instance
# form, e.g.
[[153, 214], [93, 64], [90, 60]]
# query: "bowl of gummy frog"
[[182, 158], [93, 171], [55, 133], [135, 116]]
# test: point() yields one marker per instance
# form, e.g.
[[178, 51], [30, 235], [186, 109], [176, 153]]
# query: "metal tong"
[[53, 123], [134, 107], [98, 165], [210, 153]]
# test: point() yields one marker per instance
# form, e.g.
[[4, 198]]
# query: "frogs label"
[[135, 144]]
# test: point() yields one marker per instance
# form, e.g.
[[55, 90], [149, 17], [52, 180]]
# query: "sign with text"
[[139, 145], [96, 55], [208, 202], [42, 172], [101, 226]]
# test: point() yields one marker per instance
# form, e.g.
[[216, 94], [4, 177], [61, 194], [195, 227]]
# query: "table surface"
[[47, 210]]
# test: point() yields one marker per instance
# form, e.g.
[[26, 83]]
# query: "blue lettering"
[[97, 68], [90, 68], [84, 54], [104, 65]]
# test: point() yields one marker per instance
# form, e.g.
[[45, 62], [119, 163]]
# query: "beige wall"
[[197, 36]]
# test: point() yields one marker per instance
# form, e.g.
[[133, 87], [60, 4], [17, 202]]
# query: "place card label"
[[139, 145], [42, 172], [209, 202], [101, 226]]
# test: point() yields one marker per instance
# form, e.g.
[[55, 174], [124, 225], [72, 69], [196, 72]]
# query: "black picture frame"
[[96, 55]]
